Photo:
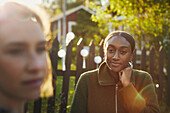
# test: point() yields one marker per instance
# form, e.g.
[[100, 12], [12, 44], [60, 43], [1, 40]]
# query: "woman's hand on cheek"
[[125, 76]]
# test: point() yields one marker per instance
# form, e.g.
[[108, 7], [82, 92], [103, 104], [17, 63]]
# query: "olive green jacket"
[[96, 93]]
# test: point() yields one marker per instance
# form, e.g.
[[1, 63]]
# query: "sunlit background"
[[26, 1], [146, 20]]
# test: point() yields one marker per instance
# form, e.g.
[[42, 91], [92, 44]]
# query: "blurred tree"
[[58, 4], [147, 20], [74, 4], [86, 28], [52, 7], [55, 7]]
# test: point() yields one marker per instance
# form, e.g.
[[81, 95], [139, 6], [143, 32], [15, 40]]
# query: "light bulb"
[[84, 52], [97, 59], [61, 53]]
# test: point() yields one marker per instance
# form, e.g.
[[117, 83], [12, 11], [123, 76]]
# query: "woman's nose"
[[116, 56], [35, 63]]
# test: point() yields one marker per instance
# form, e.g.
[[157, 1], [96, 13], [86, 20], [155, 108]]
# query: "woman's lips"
[[115, 64], [33, 83]]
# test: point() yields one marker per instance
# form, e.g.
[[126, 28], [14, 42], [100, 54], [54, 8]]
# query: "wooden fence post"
[[161, 74], [91, 64], [54, 62], [143, 60], [151, 62], [101, 52], [168, 81], [79, 61], [134, 59], [26, 108], [37, 106], [66, 78]]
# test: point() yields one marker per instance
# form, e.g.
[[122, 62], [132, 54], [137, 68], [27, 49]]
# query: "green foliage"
[[56, 6], [58, 95], [147, 20], [50, 10], [74, 4], [86, 28]]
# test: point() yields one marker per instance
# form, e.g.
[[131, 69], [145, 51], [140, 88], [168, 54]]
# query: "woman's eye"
[[41, 49], [123, 52], [111, 50], [16, 51]]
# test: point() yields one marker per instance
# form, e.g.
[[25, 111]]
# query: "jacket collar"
[[105, 78]]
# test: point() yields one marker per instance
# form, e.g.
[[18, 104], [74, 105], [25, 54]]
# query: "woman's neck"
[[12, 103], [115, 75]]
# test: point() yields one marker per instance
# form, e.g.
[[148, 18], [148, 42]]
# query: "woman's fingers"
[[125, 75]]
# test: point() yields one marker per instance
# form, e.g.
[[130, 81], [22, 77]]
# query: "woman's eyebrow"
[[110, 45], [121, 47], [22, 44], [16, 44], [124, 47]]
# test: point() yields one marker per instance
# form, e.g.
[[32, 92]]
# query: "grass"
[[58, 96], [59, 91], [59, 82], [70, 93]]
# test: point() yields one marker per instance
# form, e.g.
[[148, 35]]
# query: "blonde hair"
[[29, 11], [47, 86], [24, 12]]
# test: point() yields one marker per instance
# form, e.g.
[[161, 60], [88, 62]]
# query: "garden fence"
[[152, 63]]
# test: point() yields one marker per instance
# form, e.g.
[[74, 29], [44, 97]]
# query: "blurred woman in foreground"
[[24, 63]]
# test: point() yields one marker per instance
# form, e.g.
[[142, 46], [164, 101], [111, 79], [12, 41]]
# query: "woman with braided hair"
[[116, 87]]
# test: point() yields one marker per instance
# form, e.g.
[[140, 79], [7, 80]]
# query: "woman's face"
[[23, 59], [118, 53]]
